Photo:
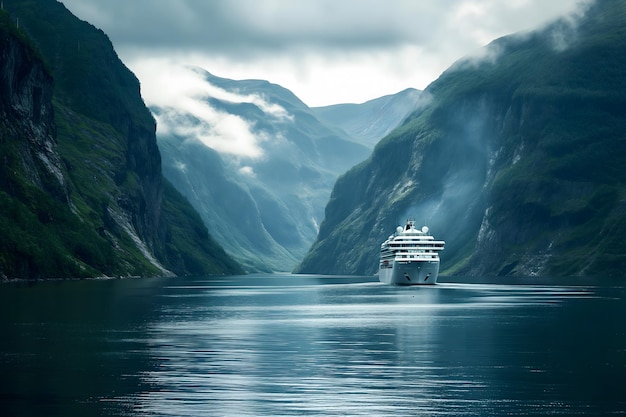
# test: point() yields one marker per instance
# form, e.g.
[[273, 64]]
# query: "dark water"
[[306, 345]]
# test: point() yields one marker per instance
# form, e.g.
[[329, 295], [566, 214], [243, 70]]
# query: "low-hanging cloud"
[[326, 51], [209, 90], [181, 94], [562, 32]]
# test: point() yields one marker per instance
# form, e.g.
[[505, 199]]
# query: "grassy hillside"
[[517, 162]]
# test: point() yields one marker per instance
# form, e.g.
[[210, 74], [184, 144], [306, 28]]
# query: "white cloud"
[[316, 78], [247, 171], [181, 93], [209, 90], [325, 51]]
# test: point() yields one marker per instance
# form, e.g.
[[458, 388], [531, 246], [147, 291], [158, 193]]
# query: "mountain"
[[255, 162], [81, 186], [517, 161], [373, 120]]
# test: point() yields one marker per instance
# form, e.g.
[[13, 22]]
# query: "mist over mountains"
[[258, 164], [517, 161], [515, 157]]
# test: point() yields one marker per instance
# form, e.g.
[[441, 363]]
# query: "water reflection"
[[309, 345], [356, 348], [66, 345]]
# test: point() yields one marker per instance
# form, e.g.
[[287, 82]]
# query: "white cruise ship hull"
[[410, 273]]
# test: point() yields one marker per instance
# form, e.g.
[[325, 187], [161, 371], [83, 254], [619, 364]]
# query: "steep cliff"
[[83, 190], [33, 187], [26, 113], [516, 161]]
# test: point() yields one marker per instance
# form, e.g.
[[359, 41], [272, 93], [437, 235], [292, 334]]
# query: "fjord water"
[[311, 345]]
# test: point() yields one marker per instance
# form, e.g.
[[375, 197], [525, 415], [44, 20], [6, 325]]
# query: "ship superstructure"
[[410, 256]]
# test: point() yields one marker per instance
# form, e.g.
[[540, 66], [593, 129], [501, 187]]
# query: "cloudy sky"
[[325, 51]]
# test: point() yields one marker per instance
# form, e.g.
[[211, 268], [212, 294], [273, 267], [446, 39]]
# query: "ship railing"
[[417, 256]]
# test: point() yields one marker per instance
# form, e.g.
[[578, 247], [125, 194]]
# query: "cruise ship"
[[410, 257]]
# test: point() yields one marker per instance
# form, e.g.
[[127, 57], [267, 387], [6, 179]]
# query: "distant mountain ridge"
[[372, 120], [264, 202], [517, 161], [263, 198]]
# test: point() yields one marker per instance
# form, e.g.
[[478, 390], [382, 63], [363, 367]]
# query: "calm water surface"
[[285, 345]]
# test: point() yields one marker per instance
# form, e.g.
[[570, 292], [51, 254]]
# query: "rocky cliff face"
[[81, 187], [144, 160], [26, 115], [516, 162]]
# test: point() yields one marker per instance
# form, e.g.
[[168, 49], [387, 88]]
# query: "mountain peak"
[[374, 119]]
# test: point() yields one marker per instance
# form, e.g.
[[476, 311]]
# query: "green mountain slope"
[[517, 162], [371, 121], [83, 190], [265, 208]]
